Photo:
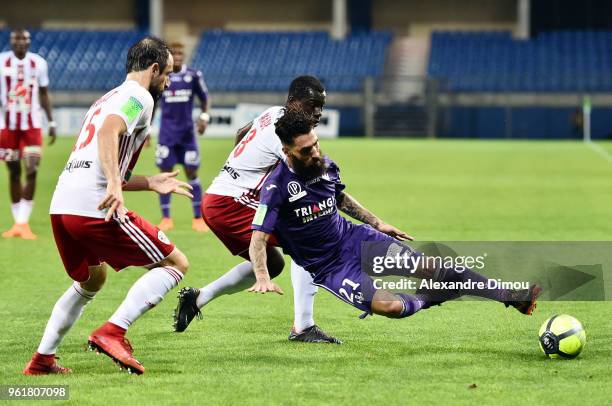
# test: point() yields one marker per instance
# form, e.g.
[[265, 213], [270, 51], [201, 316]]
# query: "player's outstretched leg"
[[146, 293], [304, 328], [237, 279], [65, 313], [522, 300]]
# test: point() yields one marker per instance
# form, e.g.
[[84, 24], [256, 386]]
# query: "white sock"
[[303, 297], [146, 293], [235, 280], [66, 312], [25, 210], [15, 209]]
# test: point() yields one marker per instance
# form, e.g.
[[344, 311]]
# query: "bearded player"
[[299, 206], [177, 142], [90, 224], [24, 89], [229, 205]]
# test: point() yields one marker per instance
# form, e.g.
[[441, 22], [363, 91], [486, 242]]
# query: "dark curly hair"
[[293, 123]]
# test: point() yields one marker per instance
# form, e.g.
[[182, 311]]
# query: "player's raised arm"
[[259, 258], [108, 151], [350, 206]]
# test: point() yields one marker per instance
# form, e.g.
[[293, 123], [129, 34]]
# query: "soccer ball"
[[562, 336]]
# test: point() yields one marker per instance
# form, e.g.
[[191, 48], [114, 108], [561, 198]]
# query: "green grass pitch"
[[239, 353]]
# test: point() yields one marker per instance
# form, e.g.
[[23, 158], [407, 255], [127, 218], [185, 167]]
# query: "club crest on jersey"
[[162, 237], [295, 190], [187, 78]]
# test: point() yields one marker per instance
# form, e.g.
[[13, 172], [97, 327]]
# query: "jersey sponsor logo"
[[162, 237], [260, 214], [132, 108], [315, 210], [295, 190], [230, 171], [73, 165]]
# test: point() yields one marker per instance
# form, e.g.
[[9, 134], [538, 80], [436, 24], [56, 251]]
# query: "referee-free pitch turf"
[[464, 352]]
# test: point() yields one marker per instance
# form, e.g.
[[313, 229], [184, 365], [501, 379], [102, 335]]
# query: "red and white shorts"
[[14, 144], [231, 222], [86, 241]]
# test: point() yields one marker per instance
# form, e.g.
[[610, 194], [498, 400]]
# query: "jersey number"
[[349, 296], [247, 138], [91, 130]]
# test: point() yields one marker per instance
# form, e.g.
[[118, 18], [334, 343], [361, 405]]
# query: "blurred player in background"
[[90, 224], [24, 90], [177, 143], [230, 204], [299, 206]]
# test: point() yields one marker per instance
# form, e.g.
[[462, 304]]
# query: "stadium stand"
[[557, 61], [232, 61], [79, 59], [267, 61]]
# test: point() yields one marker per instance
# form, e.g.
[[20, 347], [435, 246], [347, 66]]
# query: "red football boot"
[[110, 340], [42, 364]]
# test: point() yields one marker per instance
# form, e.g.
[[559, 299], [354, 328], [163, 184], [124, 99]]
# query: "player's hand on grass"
[[263, 285], [113, 202], [394, 232], [166, 182]]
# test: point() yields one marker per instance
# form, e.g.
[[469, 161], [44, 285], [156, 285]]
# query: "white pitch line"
[[599, 150]]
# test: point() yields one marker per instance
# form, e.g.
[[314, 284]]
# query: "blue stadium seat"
[[267, 61], [558, 61], [79, 59]]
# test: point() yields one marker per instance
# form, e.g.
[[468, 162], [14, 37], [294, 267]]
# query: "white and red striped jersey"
[[82, 185], [251, 161], [20, 81]]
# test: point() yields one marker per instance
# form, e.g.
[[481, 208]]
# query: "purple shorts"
[[344, 275], [188, 155]]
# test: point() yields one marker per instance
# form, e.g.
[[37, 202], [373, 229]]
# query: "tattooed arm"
[[348, 205]]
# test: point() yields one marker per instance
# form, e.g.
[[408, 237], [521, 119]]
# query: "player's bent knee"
[[97, 278], [177, 260]]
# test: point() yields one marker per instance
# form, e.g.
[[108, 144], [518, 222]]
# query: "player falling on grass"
[[177, 142], [299, 206], [229, 206], [91, 225], [24, 89]]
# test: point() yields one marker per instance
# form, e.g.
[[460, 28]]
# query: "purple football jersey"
[[176, 104], [302, 214]]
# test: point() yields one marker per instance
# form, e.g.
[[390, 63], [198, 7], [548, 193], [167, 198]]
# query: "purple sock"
[[196, 202], [452, 275], [412, 304], [164, 202]]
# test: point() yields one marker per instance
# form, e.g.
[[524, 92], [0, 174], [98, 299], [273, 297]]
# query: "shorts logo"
[[295, 190], [162, 237]]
